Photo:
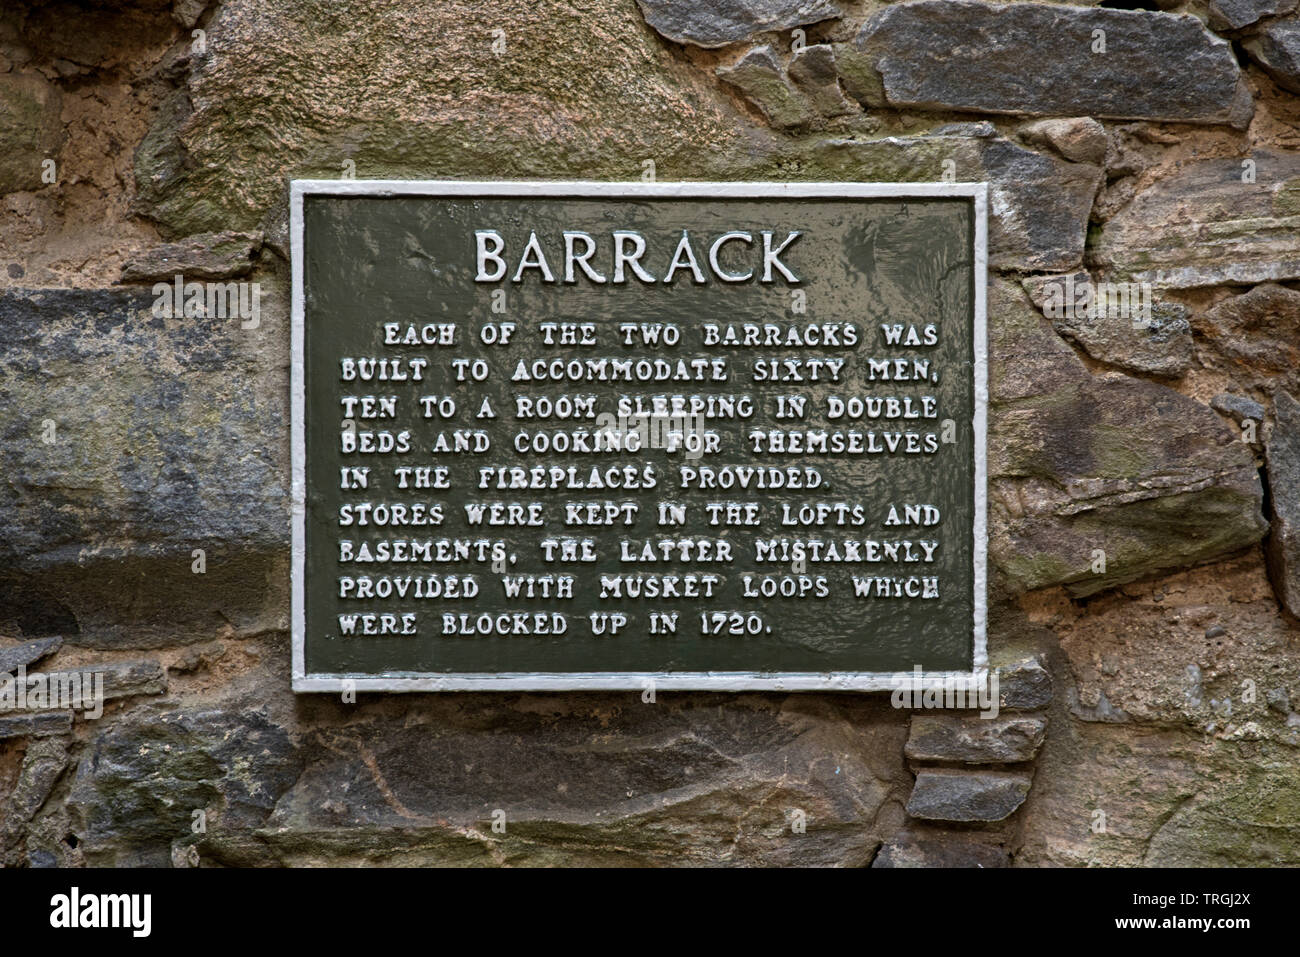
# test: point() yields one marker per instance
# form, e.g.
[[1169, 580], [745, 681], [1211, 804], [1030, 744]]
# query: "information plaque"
[[561, 435]]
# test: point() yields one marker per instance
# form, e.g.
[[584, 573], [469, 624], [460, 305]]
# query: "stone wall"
[[1144, 478]]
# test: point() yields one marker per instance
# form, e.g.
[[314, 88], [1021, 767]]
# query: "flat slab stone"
[[975, 740], [1205, 225], [720, 22], [967, 796], [224, 255], [36, 724], [24, 654], [1041, 59]]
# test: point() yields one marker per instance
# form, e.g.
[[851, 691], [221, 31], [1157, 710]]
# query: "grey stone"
[[975, 740], [168, 437], [1205, 225], [225, 255], [655, 785], [125, 679], [1038, 202], [1279, 700], [1115, 328], [970, 55], [1239, 14], [813, 71], [28, 652], [31, 129], [967, 796], [759, 76], [721, 22], [908, 851], [43, 764], [1080, 139], [1238, 408], [1277, 49], [1024, 685], [140, 781], [1254, 338], [187, 12], [1282, 455], [1080, 464], [35, 724]]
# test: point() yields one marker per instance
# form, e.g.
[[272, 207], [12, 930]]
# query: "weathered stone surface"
[[45, 761], [721, 22], [35, 724], [555, 103], [1239, 408], [225, 255], [614, 783], [759, 76], [1120, 333], [969, 55], [187, 12], [942, 795], [813, 71], [30, 129], [1038, 203], [1080, 464], [167, 436], [1239, 14], [1023, 685], [1254, 338], [140, 781], [124, 679], [1283, 457], [975, 740], [1080, 139], [1277, 49], [1205, 226], [28, 652], [940, 851]]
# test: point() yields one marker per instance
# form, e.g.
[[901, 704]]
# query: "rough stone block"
[[970, 55], [975, 740], [1277, 50], [760, 77], [1080, 464], [967, 796], [1211, 223], [225, 255], [1283, 457], [721, 22]]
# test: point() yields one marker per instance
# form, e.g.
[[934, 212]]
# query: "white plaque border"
[[914, 681]]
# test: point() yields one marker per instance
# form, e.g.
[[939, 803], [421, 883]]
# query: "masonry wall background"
[[1148, 706]]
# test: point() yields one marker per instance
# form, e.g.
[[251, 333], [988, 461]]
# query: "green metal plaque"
[[578, 435]]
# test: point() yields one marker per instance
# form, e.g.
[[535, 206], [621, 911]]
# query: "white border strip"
[[682, 681]]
